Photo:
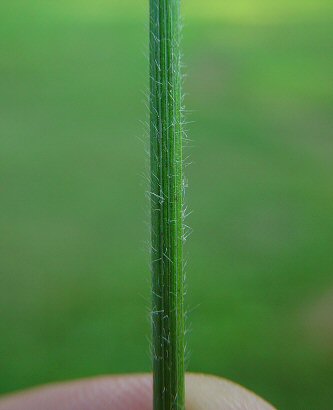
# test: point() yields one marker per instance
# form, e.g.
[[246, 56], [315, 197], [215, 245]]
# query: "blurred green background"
[[74, 295]]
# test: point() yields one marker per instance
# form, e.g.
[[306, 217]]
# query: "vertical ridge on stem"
[[166, 205]]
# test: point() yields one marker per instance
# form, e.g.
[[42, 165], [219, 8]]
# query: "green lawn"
[[74, 290]]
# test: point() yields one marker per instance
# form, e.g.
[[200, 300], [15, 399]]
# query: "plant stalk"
[[166, 205]]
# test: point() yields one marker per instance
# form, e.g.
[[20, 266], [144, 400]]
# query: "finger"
[[101, 393], [133, 393], [205, 392]]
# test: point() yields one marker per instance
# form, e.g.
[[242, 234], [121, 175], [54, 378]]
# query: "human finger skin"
[[132, 393], [100, 393], [205, 392]]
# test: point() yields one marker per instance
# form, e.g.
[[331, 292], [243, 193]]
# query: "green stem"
[[166, 205]]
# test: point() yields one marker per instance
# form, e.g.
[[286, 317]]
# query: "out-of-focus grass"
[[74, 278]]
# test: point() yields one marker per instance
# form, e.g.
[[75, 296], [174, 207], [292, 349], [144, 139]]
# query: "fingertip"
[[101, 393], [205, 392], [133, 392]]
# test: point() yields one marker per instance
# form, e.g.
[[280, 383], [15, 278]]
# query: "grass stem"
[[166, 205]]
